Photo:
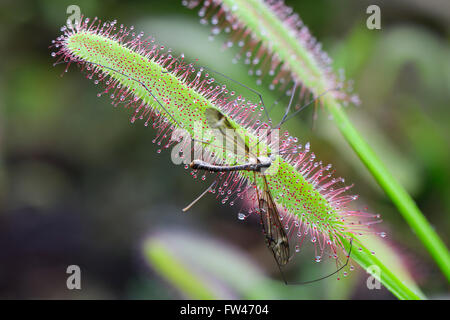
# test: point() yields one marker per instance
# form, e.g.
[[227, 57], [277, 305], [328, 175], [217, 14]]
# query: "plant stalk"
[[402, 200]]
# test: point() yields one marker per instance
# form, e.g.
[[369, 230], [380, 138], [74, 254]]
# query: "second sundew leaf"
[[274, 43], [267, 27], [169, 94]]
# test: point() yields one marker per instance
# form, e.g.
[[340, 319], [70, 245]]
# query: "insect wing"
[[276, 239], [233, 142]]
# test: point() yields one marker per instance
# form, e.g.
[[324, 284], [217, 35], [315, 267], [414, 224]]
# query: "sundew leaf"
[[169, 94]]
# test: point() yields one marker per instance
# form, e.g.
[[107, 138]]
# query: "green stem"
[[393, 189]]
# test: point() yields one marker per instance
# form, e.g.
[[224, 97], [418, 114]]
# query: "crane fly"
[[275, 236]]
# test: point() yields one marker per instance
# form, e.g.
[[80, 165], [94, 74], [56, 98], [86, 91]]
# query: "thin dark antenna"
[[285, 113], [306, 105], [243, 85], [269, 109], [199, 197], [288, 107]]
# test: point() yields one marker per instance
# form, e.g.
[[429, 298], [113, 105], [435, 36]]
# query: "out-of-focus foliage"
[[81, 185]]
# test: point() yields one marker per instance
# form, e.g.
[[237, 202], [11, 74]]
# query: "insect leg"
[[243, 85], [306, 105], [288, 107], [199, 197], [329, 275]]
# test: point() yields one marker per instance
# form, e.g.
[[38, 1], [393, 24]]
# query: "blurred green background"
[[80, 184]]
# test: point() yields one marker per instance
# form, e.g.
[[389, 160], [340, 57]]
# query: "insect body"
[[275, 236], [257, 167]]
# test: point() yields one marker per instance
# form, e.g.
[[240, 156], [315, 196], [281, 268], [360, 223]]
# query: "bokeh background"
[[80, 184]]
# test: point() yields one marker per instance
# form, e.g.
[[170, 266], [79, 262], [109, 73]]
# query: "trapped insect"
[[275, 236], [274, 232]]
